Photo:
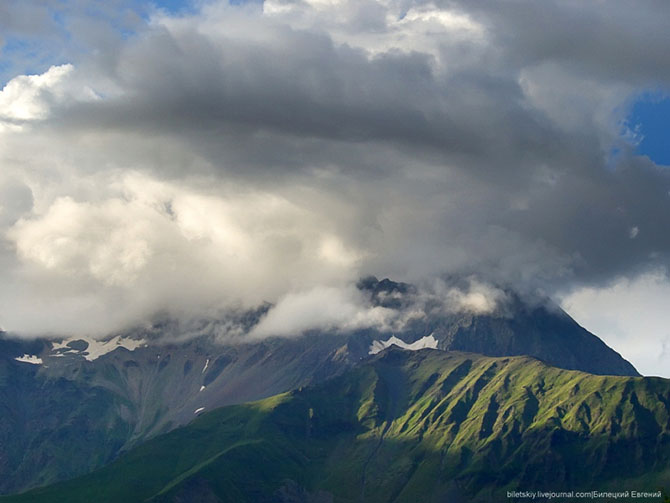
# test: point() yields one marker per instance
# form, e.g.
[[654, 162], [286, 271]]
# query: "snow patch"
[[35, 360], [96, 348], [425, 342], [198, 410]]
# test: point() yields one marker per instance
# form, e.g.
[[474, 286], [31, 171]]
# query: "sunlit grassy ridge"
[[405, 427]]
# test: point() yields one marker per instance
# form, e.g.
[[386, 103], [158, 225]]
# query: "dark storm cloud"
[[301, 87], [611, 40], [295, 99]]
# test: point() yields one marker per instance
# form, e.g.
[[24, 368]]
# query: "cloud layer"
[[279, 151]]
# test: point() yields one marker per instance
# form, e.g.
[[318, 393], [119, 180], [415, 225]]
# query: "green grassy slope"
[[405, 427], [53, 429]]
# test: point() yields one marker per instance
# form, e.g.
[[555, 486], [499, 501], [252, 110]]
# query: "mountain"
[[405, 427], [535, 328], [54, 428], [66, 412], [71, 406]]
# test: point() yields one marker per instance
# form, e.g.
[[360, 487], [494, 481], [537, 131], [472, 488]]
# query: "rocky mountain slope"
[[68, 415], [535, 327], [406, 426]]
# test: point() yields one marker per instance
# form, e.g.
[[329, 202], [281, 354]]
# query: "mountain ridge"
[[405, 426], [124, 395]]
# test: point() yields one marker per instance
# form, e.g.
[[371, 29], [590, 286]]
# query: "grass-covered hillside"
[[405, 427]]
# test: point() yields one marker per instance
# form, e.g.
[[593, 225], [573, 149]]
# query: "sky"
[[650, 118], [195, 157]]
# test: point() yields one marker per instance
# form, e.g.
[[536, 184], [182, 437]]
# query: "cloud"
[[372, 306], [16, 199], [480, 298], [35, 35], [321, 309], [27, 97], [157, 246], [251, 153]]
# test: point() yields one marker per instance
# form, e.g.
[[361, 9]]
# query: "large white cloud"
[[321, 308], [28, 97], [147, 246]]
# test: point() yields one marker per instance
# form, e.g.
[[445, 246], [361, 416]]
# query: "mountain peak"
[[510, 324]]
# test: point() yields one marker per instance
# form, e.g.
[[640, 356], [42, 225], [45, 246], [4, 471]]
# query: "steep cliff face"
[[406, 426]]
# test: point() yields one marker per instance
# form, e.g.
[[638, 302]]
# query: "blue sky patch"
[[650, 120], [176, 6]]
